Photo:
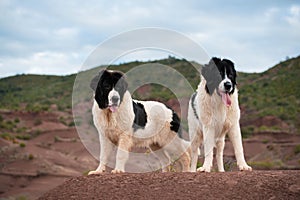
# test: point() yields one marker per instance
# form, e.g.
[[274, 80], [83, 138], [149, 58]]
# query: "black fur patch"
[[175, 124], [193, 104], [214, 73], [140, 116], [104, 82]]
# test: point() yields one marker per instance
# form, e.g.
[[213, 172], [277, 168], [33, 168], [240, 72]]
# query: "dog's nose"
[[227, 85], [115, 99]]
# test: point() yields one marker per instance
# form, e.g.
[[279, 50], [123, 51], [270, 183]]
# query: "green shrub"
[[62, 120], [17, 120], [30, 157], [72, 123], [265, 141], [7, 136], [23, 136], [22, 145], [247, 131], [8, 125], [297, 149], [21, 130]]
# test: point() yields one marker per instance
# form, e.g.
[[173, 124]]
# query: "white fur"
[[222, 83], [117, 128], [215, 120], [113, 93]]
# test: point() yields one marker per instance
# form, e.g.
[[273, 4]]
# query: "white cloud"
[[271, 12], [62, 33], [41, 63], [294, 15]]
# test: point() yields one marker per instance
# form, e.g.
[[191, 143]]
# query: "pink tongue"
[[226, 99], [113, 108]]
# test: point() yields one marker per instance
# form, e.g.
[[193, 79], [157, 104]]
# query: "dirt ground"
[[228, 185], [54, 154]]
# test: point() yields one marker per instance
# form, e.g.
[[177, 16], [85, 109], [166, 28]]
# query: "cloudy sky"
[[56, 37]]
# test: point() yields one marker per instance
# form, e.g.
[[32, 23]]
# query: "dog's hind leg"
[[179, 151], [185, 161], [162, 156], [219, 155]]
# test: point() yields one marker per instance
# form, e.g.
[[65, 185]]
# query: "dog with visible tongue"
[[214, 112], [125, 123]]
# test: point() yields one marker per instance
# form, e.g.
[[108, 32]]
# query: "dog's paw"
[[203, 169], [245, 167], [117, 171], [96, 172]]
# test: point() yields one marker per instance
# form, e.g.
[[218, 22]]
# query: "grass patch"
[[72, 123], [247, 131], [85, 173], [267, 165], [8, 125], [22, 145], [30, 157], [297, 149], [7, 136], [23, 136], [21, 197], [265, 141], [17, 120], [199, 164]]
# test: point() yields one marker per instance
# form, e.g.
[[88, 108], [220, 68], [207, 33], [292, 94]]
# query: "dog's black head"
[[109, 87], [220, 75]]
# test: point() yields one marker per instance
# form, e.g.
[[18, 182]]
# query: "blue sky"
[[55, 37]]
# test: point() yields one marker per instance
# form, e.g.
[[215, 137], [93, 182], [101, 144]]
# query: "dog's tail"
[[199, 152]]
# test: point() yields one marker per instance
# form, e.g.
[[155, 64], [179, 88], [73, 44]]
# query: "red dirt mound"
[[229, 185]]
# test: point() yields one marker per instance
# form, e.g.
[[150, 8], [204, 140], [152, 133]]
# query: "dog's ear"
[[214, 61], [211, 74], [210, 70], [122, 82], [96, 79], [229, 62]]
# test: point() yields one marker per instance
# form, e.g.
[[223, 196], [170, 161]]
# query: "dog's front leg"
[[124, 146], [106, 149], [236, 139], [196, 141], [219, 156], [208, 143]]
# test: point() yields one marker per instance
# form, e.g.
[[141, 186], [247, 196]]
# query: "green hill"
[[36, 92], [274, 92]]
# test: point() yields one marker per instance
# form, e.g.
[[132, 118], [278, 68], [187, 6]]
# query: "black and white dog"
[[130, 123], [213, 112]]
